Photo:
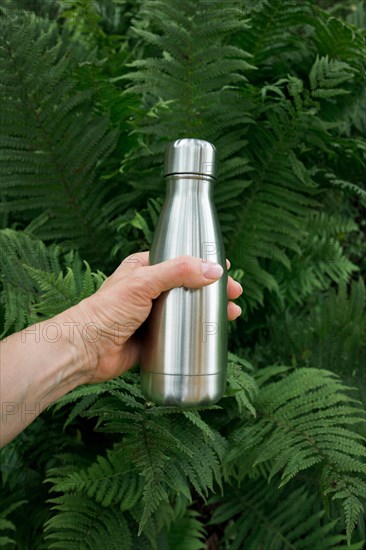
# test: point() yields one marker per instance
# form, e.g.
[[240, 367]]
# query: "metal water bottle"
[[184, 355]]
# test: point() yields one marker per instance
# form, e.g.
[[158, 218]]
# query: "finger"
[[184, 271], [228, 264], [133, 261], [233, 311], [234, 289]]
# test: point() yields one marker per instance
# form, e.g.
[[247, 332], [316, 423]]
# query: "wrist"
[[56, 359], [81, 335]]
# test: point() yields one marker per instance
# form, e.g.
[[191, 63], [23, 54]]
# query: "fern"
[[19, 290], [87, 525], [105, 481], [23, 466], [302, 422], [187, 533], [49, 9], [92, 93], [326, 75], [321, 259], [34, 286], [330, 335], [257, 515], [271, 171], [6, 524], [170, 453], [51, 144], [266, 40], [241, 385], [277, 224], [189, 89], [142, 222]]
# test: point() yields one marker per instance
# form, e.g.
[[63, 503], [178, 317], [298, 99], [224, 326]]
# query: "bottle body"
[[184, 354]]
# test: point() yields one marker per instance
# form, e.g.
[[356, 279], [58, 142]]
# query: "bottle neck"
[[186, 184]]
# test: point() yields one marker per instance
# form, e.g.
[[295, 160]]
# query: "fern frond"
[[62, 291], [51, 143], [193, 87], [347, 186], [34, 286], [17, 250], [195, 418], [82, 523], [326, 75], [241, 385], [266, 39], [187, 533], [322, 258], [257, 516], [331, 335], [6, 524], [107, 481], [277, 223], [168, 452], [303, 421], [279, 87], [338, 40]]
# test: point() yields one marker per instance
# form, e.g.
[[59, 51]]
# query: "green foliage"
[[302, 422], [187, 533], [52, 144], [330, 335], [280, 518], [190, 94], [85, 524], [91, 94], [191, 86], [168, 448], [241, 385], [34, 286], [6, 526]]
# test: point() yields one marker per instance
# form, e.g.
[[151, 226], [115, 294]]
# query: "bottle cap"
[[190, 156]]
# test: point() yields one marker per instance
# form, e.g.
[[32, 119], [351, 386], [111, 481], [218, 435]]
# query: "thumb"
[[186, 271]]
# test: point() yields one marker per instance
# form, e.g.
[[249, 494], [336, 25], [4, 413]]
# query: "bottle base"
[[183, 390]]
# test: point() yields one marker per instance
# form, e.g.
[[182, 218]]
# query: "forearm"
[[37, 366]]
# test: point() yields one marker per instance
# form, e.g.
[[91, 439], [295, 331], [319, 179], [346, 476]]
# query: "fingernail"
[[211, 270], [239, 311]]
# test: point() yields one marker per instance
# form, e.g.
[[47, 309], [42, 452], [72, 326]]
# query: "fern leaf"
[[34, 286], [257, 516], [82, 523], [187, 533], [52, 144], [298, 427], [169, 453], [106, 481]]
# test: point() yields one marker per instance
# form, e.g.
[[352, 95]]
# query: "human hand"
[[124, 302]]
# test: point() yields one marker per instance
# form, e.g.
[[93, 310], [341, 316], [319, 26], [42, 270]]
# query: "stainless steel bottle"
[[185, 342]]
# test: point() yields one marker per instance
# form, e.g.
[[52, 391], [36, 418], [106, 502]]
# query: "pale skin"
[[93, 341]]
